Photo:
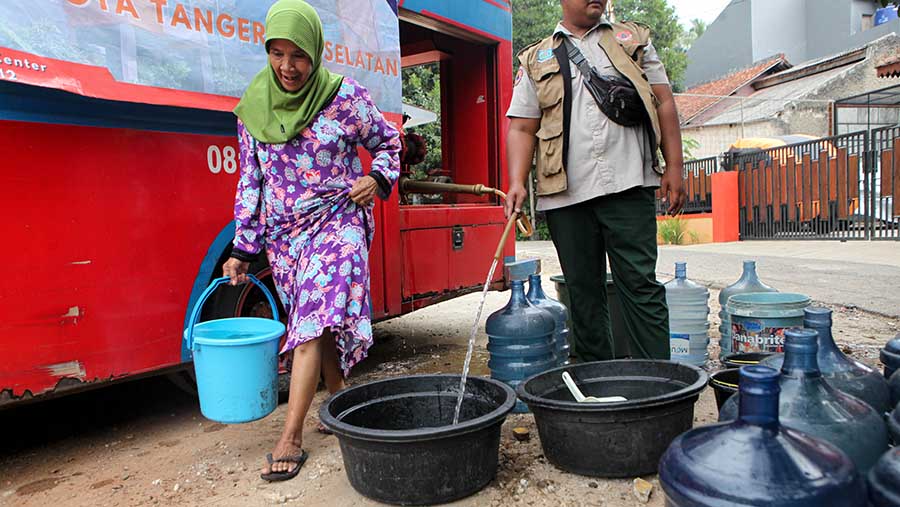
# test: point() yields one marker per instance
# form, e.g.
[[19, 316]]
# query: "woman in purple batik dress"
[[304, 199]]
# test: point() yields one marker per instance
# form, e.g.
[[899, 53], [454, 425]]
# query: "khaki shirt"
[[604, 157]]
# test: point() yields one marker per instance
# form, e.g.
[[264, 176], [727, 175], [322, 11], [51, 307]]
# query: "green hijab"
[[271, 114]]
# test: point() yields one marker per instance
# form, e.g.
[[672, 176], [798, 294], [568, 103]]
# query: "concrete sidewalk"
[[862, 274]]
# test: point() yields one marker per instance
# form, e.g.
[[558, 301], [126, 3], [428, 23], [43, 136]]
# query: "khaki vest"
[[624, 45]]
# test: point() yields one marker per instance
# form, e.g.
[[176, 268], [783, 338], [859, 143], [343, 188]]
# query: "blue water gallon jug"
[[755, 461], [749, 282], [890, 356], [520, 340], [894, 386], [538, 298], [884, 480], [811, 405], [841, 372], [688, 304], [893, 422]]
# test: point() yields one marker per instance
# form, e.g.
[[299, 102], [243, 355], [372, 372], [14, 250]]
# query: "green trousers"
[[622, 226]]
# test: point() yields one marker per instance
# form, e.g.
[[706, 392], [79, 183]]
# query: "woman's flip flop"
[[300, 459]]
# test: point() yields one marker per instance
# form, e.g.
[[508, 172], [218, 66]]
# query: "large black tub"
[[399, 444], [621, 439]]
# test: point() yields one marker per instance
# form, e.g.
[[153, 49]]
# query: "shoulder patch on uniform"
[[519, 75], [640, 32], [635, 23], [624, 36], [544, 54], [526, 48]]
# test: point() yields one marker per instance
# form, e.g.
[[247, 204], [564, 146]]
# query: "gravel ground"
[[145, 443]]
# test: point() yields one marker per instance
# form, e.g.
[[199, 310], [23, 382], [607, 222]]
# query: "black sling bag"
[[617, 98]]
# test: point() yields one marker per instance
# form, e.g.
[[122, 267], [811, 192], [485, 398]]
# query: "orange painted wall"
[[722, 225], [725, 207], [700, 224]]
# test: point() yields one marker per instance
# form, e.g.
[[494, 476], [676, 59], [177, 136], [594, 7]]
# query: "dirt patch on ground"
[[163, 452]]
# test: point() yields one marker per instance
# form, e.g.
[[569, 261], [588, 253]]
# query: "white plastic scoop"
[[581, 398]]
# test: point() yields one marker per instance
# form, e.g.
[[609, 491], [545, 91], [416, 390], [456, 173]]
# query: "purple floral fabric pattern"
[[293, 201]]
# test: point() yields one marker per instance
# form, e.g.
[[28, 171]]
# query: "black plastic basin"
[[399, 444], [745, 358], [724, 384], [621, 439]]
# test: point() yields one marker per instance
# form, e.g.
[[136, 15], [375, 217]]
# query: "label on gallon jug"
[[752, 335], [680, 344]]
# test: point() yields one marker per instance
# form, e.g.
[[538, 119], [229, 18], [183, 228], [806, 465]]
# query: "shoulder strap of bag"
[[566, 72], [574, 54], [587, 72]]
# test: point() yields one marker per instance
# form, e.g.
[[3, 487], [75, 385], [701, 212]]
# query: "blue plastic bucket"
[[235, 361], [758, 320]]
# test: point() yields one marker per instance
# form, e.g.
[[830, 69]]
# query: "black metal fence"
[[697, 185], [840, 187], [884, 194]]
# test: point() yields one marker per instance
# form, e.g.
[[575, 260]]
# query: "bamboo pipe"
[[509, 225], [409, 186]]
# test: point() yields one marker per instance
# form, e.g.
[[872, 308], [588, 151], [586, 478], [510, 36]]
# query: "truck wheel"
[[184, 380], [249, 301]]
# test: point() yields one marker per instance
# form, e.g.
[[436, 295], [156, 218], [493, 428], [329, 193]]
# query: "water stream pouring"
[[525, 227], [519, 219], [465, 372]]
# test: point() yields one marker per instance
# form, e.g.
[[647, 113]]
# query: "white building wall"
[[715, 140]]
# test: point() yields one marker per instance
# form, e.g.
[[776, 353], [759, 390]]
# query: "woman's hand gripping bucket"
[[235, 361]]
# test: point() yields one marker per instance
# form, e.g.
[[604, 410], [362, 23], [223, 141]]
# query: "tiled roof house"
[[773, 98], [698, 100], [889, 67]]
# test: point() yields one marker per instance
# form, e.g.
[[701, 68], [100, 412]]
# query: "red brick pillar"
[[725, 207]]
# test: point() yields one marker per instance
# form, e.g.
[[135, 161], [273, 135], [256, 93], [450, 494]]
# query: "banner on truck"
[[187, 53]]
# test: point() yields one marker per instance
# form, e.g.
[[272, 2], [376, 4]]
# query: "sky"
[[707, 10]]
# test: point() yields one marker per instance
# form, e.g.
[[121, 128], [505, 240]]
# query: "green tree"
[[698, 28], [165, 73], [422, 88], [44, 38], [533, 20], [688, 145], [668, 34]]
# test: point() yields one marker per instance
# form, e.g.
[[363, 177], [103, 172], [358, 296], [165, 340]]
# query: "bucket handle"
[[195, 313]]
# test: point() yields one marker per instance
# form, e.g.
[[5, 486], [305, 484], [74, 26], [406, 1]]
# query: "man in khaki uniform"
[[596, 178]]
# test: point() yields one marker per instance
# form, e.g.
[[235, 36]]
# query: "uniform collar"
[[560, 29]]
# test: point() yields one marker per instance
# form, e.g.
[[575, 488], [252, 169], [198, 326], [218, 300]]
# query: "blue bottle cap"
[[757, 379], [893, 345], [800, 349], [804, 341], [759, 395], [817, 316]]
